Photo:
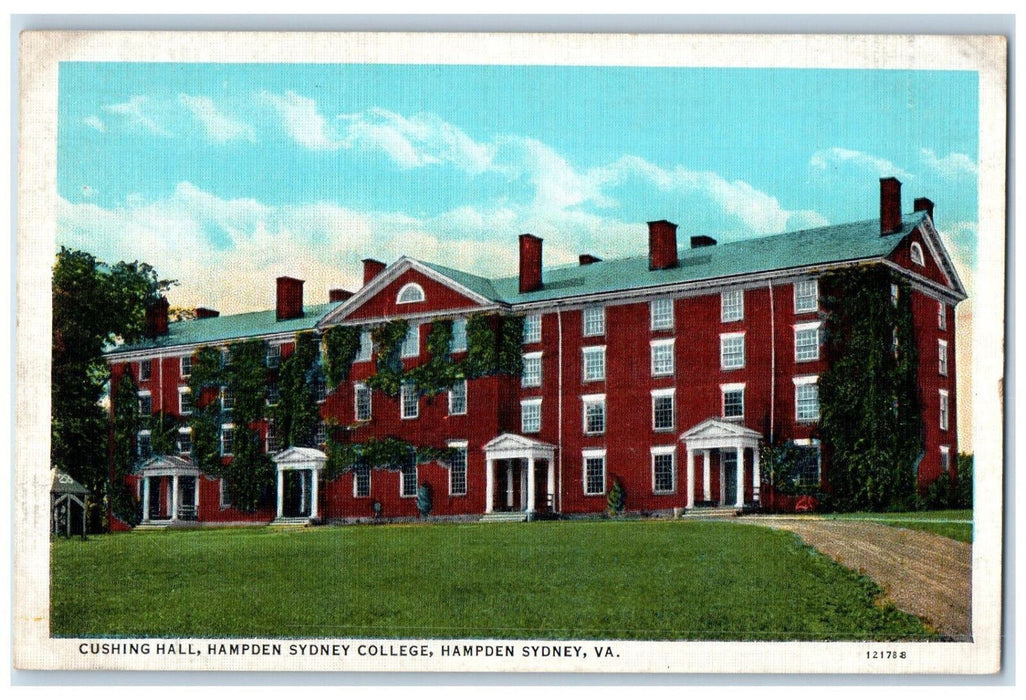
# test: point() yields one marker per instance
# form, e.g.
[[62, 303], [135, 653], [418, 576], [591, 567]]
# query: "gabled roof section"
[[167, 464], [940, 255], [208, 331], [61, 482], [716, 429], [477, 290], [300, 455]]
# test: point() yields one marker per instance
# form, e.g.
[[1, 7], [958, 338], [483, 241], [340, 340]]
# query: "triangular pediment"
[[299, 455], [940, 255], [716, 429], [380, 298], [511, 444], [167, 464]]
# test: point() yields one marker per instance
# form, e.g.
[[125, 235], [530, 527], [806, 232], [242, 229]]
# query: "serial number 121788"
[[885, 654]]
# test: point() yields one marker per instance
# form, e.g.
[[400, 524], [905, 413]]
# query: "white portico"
[[730, 441], [170, 489], [515, 487], [299, 470]]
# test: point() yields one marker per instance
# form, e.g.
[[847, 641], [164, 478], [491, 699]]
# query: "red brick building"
[[664, 372]]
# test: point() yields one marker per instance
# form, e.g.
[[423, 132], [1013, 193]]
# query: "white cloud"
[[830, 160], [952, 165], [133, 112], [302, 121], [218, 126], [95, 122]]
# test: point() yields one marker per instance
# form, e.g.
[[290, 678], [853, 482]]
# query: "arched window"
[[410, 293], [917, 254]]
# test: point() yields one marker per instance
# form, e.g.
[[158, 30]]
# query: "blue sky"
[[224, 176]]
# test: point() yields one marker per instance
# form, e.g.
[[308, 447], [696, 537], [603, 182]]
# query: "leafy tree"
[[617, 498], [126, 422], [94, 305], [963, 489]]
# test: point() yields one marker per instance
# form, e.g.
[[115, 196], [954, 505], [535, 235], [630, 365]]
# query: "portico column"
[[756, 477], [740, 476], [281, 493], [706, 478], [691, 479], [530, 485], [146, 499], [313, 493], [195, 496], [174, 497], [551, 485], [302, 493], [489, 484], [509, 484]]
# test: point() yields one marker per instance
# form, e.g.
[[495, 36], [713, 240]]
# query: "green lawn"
[[584, 579], [956, 524]]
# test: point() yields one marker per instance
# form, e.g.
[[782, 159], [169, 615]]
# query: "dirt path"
[[922, 573]]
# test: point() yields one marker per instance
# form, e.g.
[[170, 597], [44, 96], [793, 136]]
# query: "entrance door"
[[729, 460]]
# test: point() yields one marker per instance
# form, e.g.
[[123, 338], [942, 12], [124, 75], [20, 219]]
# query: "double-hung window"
[[185, 441], [458, 398], [145, 370], [662, 357], [594, 320], [271, 445], [143, 444], [530, 415], [186, 366], [411, 343], [662, 409], [532, 369], [942, 316], [594, 414], [732, 350], [408, 481], [459, 336], [184, 401], [362, 402], [145, 404], [661, 314], [361, 481], [806, 399], [594, 476], [273, 356], [227, 439], [942, 357], [806, 296], [806, 342], [409, 401], [458, 469], [532, 328], [733, 400], [945, 459], [943, 409], [595, 364], [664, 469], [366, 347], [732, 305]]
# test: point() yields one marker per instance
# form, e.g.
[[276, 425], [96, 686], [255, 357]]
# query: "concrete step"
[[712, 512], [504, 517], [290, 522]]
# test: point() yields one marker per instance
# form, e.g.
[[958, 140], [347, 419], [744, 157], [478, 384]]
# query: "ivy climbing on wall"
[[341, 344], [250, 473], [389, 453], [296, 416], [869, 399], [205, 420]]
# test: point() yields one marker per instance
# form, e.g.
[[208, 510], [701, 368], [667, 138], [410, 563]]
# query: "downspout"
[[773, 389], [559, 404]]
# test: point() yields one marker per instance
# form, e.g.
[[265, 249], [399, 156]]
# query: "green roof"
[[205, 331], [819, 246]]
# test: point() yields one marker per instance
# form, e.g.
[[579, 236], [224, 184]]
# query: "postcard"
[[510, 352]]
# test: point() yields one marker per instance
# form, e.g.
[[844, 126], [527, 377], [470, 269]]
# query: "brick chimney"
[[662, 245], [371, 269], [890, 205], [203, 312], [588, 259], [924, 204], [530, 263], [156, 318], [290, 299], [702, 241], [339, 294]]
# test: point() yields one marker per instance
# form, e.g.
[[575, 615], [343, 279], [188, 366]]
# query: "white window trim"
[[664, 450], [805, 381], [532, 356], [724, 389], [370, 348], [723, 305], [942, 316], [465, 400], [184, 391], [220, 439], [944, 410], [529, 340], [461, 445], [403, 388], [584, 365], [222, 488], [181, 366], [810, 326], [269, 354], [670, 393], [415, 329], [138, 441], [356, 402], [803, 310], [666, 342], [356, 477], [945, 450], [144, 394], [918, 260], [402, 482], [530, 402], [652, 315], [267, 438], [744, 359], [942, 354], [585, 456], [410, 286], [584, 321], [463, 347], [591, 400]]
